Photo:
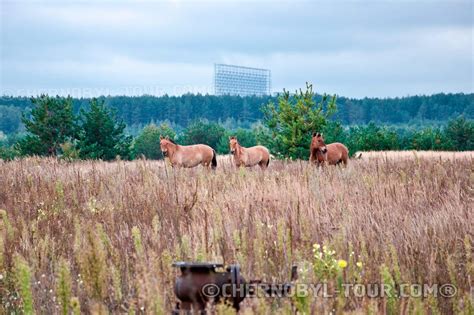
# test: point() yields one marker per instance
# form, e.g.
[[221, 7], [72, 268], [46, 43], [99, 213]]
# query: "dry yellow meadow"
[[98, 237]]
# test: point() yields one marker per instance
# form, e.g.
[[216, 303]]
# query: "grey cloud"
[[355, 48]]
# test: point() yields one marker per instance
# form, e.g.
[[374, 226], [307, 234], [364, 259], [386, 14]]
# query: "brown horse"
[[188, 155], [249, 156], [333, 154]]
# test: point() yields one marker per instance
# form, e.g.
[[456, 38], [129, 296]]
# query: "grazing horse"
[[333, 154], [249, 156], [188, 155]]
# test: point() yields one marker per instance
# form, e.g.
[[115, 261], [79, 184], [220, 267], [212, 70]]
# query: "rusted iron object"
[[200, 283]]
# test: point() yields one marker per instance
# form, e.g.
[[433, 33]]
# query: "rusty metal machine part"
[[229, 285], [189, 286]]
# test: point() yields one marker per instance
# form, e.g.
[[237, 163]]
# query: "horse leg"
[[344, 162], [345, 159]]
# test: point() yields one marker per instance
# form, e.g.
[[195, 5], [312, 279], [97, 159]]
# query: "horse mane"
[[172, 141]]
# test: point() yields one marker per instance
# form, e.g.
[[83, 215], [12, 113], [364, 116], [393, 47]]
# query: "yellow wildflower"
[[342, 263]]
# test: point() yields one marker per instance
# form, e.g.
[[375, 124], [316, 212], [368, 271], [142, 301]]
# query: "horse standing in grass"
[[249, 156], [188, 155], [333, 154]]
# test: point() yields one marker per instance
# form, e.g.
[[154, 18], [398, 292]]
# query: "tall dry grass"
[[443, 155], [96, 237]]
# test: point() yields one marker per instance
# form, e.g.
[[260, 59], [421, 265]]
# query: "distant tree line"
[[96, 131], [244, 111]]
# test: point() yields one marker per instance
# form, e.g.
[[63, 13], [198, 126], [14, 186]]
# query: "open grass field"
[[96, 237], [443, 155]]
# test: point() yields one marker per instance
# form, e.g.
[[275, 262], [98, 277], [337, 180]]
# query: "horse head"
[[233, 144], [317, 143], [166, 145]]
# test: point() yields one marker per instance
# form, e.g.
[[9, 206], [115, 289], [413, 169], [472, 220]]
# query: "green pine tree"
[[102, 136], [50, 124], [147, 143], [460, 134], [294, 120], [203, 132]]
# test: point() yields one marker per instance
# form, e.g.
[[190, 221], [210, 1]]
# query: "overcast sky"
[[351, 48]]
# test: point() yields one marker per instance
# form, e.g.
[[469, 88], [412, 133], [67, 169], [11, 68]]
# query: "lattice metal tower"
[[243, 81]]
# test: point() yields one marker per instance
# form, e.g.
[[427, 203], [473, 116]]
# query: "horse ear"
[[161, 137], [314, 134], [167, 138]]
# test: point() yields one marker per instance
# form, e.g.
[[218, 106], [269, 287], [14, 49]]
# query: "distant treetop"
[[182, 110]]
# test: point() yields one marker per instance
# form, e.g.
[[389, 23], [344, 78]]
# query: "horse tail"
[[214, 160]]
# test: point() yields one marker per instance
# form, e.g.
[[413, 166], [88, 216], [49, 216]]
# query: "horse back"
[[338, 146], [197, 148], [255, 155], [264, 152], [189, 153], [262, 148], [337, 152]]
